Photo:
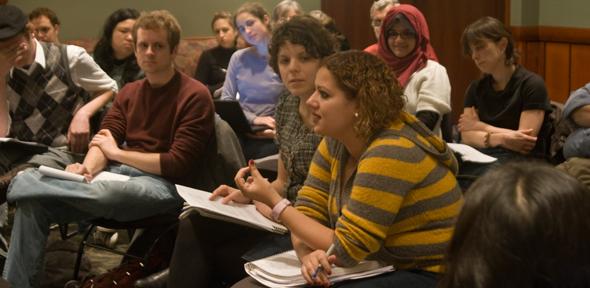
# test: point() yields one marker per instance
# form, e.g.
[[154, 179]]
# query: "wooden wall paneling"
[[521, 48], [535, 57], [557, 70], [507, 13], [560, 54], [570, 35], [564, 34], [580, 73], [352, 19], [447, 20]]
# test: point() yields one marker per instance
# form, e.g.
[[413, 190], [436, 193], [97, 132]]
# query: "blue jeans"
[[42, 200]]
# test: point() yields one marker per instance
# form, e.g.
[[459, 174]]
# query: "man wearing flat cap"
[[154, 154], [42, 99]]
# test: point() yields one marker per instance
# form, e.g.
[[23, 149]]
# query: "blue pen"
[[320, 267]]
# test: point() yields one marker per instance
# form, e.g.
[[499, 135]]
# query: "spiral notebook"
[[284, 270], [242, 214], [470, 154]]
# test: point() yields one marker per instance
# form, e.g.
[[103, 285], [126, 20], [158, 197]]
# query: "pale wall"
[[84, 19], [559, 13], [566, 13]]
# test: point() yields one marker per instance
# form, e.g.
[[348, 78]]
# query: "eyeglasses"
[[42, 30], [405, 35]]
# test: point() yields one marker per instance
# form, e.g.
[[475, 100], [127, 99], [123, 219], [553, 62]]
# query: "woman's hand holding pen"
[[254, 186], [317, 266]]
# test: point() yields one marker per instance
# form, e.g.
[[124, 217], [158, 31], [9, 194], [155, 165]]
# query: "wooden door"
[[353, 20]]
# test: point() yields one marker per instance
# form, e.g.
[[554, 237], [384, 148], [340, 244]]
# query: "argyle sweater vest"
[[44, 100]]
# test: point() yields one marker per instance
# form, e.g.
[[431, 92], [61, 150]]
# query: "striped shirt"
[[399, 206]]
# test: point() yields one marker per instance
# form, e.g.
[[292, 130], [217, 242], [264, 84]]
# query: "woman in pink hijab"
[[404, 44]]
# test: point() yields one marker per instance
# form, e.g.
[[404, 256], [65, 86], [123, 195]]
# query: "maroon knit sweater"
[[175, 120]]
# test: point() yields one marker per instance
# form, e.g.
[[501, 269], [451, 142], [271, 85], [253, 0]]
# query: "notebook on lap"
[[232, 113]]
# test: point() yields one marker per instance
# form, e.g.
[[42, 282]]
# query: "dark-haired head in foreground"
[[522, 225]]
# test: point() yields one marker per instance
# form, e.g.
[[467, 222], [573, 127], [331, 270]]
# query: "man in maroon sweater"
[[156, 132]]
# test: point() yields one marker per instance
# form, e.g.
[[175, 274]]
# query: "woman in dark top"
[[114, 51], [213, 62], [506, 111]]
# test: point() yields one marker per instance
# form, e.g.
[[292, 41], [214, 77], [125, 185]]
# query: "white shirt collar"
[[39, 54]]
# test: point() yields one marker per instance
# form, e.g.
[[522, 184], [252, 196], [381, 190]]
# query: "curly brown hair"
[[305, 31], [370, 82]]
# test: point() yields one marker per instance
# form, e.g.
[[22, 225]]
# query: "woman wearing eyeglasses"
[[404, 44]]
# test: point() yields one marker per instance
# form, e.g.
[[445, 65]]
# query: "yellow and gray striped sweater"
[[400, 205]]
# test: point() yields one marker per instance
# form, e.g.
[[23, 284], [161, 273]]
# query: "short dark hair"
[[44, 11], [305, 31], [330, 25], [222, 15], [492, 29], [523, 224], [368, 80]]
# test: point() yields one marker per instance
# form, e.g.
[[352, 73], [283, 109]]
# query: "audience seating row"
[[189, 50]]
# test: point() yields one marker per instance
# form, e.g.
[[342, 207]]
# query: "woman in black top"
[[213, 62], [114, 51], [506, 111]]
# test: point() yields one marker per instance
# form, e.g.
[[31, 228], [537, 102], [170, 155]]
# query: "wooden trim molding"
[[551, 34], [507, 13]]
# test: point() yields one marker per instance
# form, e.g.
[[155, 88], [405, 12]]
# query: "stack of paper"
[[61, 174], [470, 154], [243, 214], [284, 270]]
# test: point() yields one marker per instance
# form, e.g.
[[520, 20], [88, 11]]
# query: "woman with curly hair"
[[114, 51], [381, 185], [202, 258]]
